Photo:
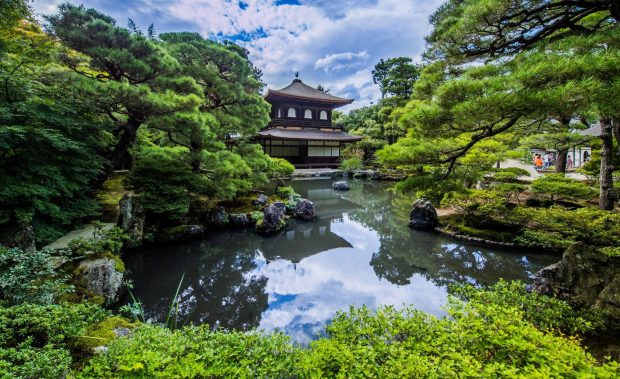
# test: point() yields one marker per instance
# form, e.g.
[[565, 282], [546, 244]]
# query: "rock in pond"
[[216, 217], [181, 233], [261, 200], [131, 220], [101, 278], [584, 277], [239, 220], [273, 219], [341, 185], [305, 210], [423, 215]]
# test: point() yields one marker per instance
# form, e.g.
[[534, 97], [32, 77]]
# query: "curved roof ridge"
[[300, 90]]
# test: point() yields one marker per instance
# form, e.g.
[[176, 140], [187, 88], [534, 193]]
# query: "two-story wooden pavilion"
[[301, 129]]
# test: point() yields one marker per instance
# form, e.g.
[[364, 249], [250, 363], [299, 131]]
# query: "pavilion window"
[[279, 113], [323, 115], [292, 113], [308, 113]]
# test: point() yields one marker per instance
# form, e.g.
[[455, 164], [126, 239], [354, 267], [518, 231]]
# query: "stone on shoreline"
[[304, 210], [584, 277], [101, 278], [239, 220], [273, 219], [423, 215], [131, 220]]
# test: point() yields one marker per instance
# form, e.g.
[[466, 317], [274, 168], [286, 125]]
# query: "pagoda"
[[301, 129]]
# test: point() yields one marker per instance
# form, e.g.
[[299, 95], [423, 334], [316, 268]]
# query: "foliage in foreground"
[[30, 277], [37, 341], [502, 332]]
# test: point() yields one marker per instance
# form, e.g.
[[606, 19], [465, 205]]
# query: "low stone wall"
[[355, 174], [481, 241]]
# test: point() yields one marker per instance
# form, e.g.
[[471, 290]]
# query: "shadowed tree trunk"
[[560, 162], [606, 199]]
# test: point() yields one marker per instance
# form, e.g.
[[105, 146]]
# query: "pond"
[[358, 252]]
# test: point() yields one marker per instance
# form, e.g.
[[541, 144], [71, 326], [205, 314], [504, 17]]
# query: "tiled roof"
[[309, 134], [299, 90]]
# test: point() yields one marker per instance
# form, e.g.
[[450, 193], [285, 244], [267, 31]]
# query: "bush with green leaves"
[[507, 175], [103, 241], [559, 227], [545, 312], [476, 204], [280, 167], [351, 164], [559, 187], [37, 341], [31, 277], [503, 331], [164, 178], [194, 352], [480, 338]]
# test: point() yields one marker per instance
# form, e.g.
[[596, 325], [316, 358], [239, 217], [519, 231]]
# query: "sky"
[[335, 43]]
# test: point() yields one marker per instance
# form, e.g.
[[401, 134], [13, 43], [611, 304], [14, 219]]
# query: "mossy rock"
[[102, 333], [119, 265]]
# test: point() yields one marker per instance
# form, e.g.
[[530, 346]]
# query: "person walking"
[[569, 161], [546, 161], [538, 162]]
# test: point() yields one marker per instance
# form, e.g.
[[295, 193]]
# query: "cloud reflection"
[[306, 295]]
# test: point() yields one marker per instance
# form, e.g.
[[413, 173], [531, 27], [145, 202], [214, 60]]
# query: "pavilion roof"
[[299, 90], [309, 134]]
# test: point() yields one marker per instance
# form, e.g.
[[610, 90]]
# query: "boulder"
[[131, 220], [216, 217], [273, 219], [181, 233], [423, 215], [101, 278], [280, 205], [261, 200], [341, 185], [584, 277], [20, 236], [239, 220], [304, 210]]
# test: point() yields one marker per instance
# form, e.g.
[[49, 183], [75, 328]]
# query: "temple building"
[[301, 129]]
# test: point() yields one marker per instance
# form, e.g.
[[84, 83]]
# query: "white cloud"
[[332, 43], [307, 38], [340, 61]]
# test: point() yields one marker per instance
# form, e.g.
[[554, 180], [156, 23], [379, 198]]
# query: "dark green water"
[[359, 252]]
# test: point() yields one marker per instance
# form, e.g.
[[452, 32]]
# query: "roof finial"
[[297, 75]]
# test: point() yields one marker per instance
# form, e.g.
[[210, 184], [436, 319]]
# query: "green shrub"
[[31, 277], [36, 341], [103, 241], [561, 227], [507, 175], [287, 191], [194, 352], [558, 186], [351, 164], [479, 339], [546, 313], [281, 167], [500, 332]]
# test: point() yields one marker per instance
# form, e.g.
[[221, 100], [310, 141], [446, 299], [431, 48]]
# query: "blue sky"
[[330, 42]]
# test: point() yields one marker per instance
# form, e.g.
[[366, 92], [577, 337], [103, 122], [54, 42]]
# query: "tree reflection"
[[218, 287], [404, 252]]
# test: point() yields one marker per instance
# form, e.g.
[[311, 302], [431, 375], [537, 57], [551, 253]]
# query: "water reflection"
[[359, 252]]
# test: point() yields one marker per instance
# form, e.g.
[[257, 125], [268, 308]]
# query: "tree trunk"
[[606, 199], [560, 162]]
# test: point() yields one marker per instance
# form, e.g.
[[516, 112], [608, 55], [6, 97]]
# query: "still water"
[[359, 252]]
